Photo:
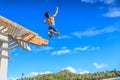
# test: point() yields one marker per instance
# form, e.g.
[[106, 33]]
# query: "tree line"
[[66, 75]]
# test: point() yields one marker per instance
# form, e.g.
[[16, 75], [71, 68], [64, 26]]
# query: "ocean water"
[[117, 79]]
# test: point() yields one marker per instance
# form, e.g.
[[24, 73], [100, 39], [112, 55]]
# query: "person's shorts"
[[52, 27]]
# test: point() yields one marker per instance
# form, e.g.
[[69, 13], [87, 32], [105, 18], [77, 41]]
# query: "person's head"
[[47, 15]]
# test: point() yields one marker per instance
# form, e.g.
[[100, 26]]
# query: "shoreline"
[[111, 78]]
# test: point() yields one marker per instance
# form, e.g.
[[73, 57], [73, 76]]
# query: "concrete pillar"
[[3, 56]]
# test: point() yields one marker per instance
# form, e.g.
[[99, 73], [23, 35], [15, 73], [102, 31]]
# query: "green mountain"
[[67, 75]]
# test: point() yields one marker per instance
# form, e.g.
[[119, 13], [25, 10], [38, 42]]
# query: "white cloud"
[[64, 47], [103, 1], [13, 60], [86, 48], [47, 72], [108, 1], [38, 73], [34, 73], [65, 50], [71, 69], [114, 12], [16, 54], [80, 71], [91, 32], [46, 48], [77, 71], [81, 49], [64, 37], [99, 66], [95, 48], [62, 51], [12, 78], [43, 48], [89, 1]]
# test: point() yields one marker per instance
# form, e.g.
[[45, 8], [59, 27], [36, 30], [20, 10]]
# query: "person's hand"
[[44, 21]]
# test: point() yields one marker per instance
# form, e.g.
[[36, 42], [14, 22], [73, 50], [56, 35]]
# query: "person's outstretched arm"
[[56, 12]]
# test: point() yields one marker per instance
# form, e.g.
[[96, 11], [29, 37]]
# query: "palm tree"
[[23, 75]]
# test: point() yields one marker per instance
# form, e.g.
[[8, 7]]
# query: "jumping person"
[[51, 23]]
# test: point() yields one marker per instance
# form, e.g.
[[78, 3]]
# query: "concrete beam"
[[3, 57]]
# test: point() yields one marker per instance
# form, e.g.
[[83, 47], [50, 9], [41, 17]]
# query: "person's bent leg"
[[56, 32], [50, 34]]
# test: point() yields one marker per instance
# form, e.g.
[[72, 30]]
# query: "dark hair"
[[47, 14]]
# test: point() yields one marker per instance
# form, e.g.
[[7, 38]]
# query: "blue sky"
[[89, 36]]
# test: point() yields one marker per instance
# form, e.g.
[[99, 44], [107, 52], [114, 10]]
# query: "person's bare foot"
[[58, 34], [49, 34]]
